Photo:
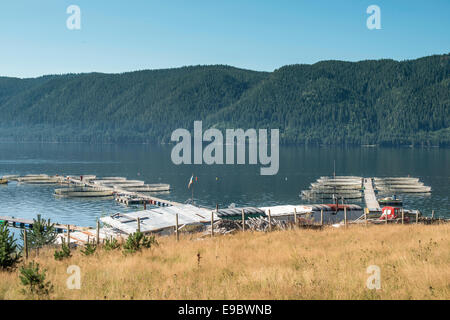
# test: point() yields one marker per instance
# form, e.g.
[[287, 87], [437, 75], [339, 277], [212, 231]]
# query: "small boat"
[[3, 181], [391, 201]]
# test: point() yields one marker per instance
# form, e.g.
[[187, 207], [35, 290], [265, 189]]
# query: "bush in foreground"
[[34, 281], [9, 250], [136, 241], [111, 244], [63, 253], [43, 233], [88, 249]]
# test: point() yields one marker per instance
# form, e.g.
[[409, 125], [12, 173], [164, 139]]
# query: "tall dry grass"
[[294, 264]]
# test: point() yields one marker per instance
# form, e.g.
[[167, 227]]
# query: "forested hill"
[[330, 102]]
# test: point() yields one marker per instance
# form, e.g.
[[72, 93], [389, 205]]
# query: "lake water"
[[222, 184]]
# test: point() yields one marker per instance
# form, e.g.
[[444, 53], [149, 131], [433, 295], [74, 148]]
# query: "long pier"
[[369, 195], [28, 224]]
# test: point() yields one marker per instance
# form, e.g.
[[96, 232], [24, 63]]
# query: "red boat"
[[392, 213]]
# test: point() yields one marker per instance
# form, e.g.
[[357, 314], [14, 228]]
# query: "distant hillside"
[[330, 102]]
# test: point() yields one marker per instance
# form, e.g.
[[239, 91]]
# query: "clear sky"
[[118, 36]]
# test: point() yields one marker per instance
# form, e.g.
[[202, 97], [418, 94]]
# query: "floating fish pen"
[[82, 192], [119, 182], [339, 181], [122, 186], [321, 185], [333, 190], [11, 177], [40, 179], [111, 178], [135, 182], [310, 194], [43, 181], [340, 177], [403, 180], [406, 190], [34, 177], [401, 185], [339, 187], [157, 187]]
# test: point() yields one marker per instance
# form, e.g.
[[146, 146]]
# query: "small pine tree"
[[34, 281], [89, 249], [136, 241], [111, 244], [9, 250], [64, 252], [43, 233]]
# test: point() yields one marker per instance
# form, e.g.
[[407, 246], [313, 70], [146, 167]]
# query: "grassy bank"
[[296, 264]]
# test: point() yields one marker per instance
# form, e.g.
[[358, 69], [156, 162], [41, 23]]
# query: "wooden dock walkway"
[[128, 194], [28, 224], [369, 196]]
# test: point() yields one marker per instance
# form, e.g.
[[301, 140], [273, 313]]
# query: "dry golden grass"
[[294, 264]]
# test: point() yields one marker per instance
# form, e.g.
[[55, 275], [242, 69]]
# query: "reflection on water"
[[221, 184]]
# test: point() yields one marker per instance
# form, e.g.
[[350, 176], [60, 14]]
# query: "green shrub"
[[43, 233], [64, 252], [9, 250], [136, 241], [89, 249], [111, 244], [34, 281]]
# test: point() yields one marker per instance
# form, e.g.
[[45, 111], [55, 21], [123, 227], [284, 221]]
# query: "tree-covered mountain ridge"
[[384, 102]]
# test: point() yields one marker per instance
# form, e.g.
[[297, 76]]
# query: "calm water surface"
[[222, 184]]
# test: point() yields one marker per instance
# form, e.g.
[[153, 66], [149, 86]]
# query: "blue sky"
[[119, 36]]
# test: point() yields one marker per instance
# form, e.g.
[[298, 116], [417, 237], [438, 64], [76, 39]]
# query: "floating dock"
[[28, 224], [369, 196], [400, 185], [335, 188], [83, 192]]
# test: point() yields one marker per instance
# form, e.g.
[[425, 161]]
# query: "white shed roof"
[[156, 219]]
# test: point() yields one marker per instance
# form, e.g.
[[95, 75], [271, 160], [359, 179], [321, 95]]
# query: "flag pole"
[[192, 185]]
